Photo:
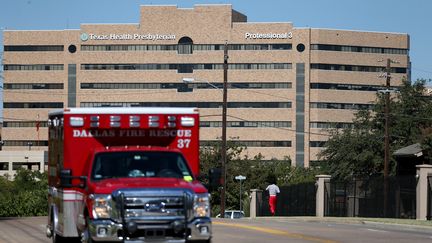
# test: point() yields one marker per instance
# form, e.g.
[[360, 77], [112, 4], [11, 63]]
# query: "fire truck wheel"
[[57, 238]]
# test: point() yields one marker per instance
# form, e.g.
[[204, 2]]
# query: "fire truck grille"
[[155, 207]]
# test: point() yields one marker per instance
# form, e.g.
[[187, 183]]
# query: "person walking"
[[273, 191]]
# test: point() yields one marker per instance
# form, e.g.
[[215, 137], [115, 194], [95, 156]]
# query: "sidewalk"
[[349, 220]]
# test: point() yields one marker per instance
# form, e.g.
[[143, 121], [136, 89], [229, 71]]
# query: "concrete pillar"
[[423, 171], [321, 181], [255, 202]]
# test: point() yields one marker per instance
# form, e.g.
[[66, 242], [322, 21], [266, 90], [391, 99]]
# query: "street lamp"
[[240, 178]]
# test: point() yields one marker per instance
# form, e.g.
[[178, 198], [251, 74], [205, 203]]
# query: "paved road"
[[267, 230], [293, 230], [20, 230]]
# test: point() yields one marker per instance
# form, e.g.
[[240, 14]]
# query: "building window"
[[324, 47], [346, 106], [354, 68], [185, 67], [33, 86], [356, 87], [25, 124], [32, 105], [177, 85], [247, 124], [4, 166], [251, 143], [34, 166], [317, 144], [185, 45], [329, 125], [184, 48], [16, 143], [35, 67], [72, 48], [189, 104], [301, 47], [33, 48]]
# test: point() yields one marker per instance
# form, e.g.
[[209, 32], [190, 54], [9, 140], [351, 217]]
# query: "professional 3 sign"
[[286, 35]]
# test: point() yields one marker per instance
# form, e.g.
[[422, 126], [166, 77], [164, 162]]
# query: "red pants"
[[272, 204]]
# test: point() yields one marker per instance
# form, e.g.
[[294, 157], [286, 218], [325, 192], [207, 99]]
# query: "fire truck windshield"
[[140, 164]]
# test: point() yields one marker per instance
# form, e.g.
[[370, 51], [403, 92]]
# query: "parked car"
[[232, 214]]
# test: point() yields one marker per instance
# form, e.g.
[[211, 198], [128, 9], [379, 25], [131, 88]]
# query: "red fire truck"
[[126, 174]]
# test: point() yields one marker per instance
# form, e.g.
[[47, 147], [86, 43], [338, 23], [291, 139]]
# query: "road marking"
[[375, 230], [276, 232]]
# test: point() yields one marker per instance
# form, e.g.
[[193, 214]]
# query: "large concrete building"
[[286, 83]]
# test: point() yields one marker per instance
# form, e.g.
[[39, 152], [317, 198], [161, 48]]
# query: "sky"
[[399, 16]]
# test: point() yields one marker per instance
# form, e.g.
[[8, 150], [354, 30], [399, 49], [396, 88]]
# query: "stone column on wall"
[[321, 181], [423, 171], [255, 202]]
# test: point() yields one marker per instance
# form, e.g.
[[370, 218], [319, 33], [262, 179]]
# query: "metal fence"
[[365, 198], [293, 200], [429, 199]]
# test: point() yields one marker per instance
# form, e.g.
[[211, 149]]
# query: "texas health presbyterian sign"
[[136, 36]]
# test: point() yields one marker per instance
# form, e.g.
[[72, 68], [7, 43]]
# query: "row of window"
[[25, 143], [185, 68], [13, 105], [365, 49], [189, 104], [17, 165], [322, 125], [252, 143], [197, 85], [33, 86], [272, 85], [318, 105], [354, 68], [246, 124], [189, 67], [344, 106], [357, 87], [202, 124], [33, 48], [32, 67], [25, 124], [326, 125], [209, 47], [195, 47], [202, 143]]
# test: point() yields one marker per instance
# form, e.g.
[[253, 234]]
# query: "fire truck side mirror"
[[67, 180], [215, 177]]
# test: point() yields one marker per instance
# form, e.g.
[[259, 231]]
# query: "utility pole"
[[386, 137], [224, 123]]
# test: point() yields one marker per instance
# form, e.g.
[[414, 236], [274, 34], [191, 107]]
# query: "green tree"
[[359, 150], [26, 195]]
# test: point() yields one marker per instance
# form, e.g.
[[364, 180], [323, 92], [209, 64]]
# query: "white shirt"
[[273, 189]]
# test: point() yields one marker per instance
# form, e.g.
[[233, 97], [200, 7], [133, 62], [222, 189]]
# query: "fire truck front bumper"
[[107, 230]]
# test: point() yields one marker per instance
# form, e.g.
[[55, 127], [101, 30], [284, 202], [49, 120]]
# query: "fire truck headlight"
[[201, 205], [102, 206]]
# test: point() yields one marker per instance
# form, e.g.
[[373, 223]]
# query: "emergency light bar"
[[187, 121], [134, 121], [75, 121]]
